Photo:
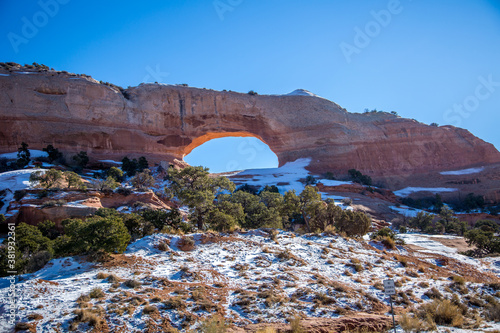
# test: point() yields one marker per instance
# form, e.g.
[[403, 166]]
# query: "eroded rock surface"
[[165, 122]]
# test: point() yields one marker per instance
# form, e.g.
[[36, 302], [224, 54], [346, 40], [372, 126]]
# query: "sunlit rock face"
[[164, 122]]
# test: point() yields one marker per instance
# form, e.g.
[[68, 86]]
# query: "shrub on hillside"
[[353, 223]]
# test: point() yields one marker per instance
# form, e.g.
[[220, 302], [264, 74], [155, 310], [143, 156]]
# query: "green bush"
[[353, 223], [96, 233]]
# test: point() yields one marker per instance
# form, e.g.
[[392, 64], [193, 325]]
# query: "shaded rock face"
[[163, 122]]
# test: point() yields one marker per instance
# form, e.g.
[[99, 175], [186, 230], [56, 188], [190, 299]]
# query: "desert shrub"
[[492, 312], [295, 325], [47, 179], [215, 324], [143, 180], [441, 312], [411, 324], [357, 177], [131, 283], [353, 223], [95, 233], [433, 293], [115, 173], [53, 203], [97, 292], [54, 153], [148, 309], [32, 252], [48, 229]]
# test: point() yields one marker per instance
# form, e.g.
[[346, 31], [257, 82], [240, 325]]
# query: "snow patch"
[[463, 172], [12, 181], [409, 190], [33, 154], [301, 92], [111, 161], [329, 182]]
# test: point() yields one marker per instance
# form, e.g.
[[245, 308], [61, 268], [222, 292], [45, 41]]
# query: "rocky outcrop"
[[76, 204], [165, 122]]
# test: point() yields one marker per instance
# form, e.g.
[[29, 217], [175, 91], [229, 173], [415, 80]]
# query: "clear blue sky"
[[416, 57]]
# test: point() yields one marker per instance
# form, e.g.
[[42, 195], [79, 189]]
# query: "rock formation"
[[163, 122]]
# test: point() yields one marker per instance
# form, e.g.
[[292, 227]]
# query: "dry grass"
[[411, 324], [97, 292], [131, 283], [295, 325], [441, 312], [267, 330], [149, 309]]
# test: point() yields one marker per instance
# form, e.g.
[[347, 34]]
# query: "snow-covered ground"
[[463, 172], [409, 190], [285, 178], [407, 211], [12, 181], [33, 154], [239, 271]]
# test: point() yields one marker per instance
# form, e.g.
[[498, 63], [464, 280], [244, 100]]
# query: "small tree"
[[108, 184], [81, 159], [97, 233], [142, 164], [353, 223], [143, 180], [53, 153], [73, 180], [46, 179], [23, 155], [115, 173]]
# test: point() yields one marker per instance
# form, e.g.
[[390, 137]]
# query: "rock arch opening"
[[223, 152]]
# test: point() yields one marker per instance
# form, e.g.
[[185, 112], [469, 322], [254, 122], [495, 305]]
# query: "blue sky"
[[434, 62]]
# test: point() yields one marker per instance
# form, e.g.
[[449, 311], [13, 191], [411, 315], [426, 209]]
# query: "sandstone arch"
[[165, 122]]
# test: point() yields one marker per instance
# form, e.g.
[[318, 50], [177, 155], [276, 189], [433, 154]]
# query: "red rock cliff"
[[163, 122]]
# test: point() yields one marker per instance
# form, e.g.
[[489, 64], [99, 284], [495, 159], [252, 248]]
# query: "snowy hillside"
[[166, 280]]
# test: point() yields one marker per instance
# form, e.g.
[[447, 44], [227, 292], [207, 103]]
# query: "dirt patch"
[[456, 243]]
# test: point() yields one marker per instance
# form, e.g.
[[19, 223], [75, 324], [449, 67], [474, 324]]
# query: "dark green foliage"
[[438, 204], [253, 93], [422, 221], [115, 173], [310, 180], [270, 188], [73, 180], [46, 179], [353, 223], [435, 124], [131, 167], [194, 188], [48, 229], [81, 159], [137, 226], [23, 155], [248, 188], [357, 177], [19, 194], [96, 233], [384, 232], [142, 164], [143, 180], [329, 175], [32, 252], [487, 225], [54, 153], [472, 201], [485, 241]]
